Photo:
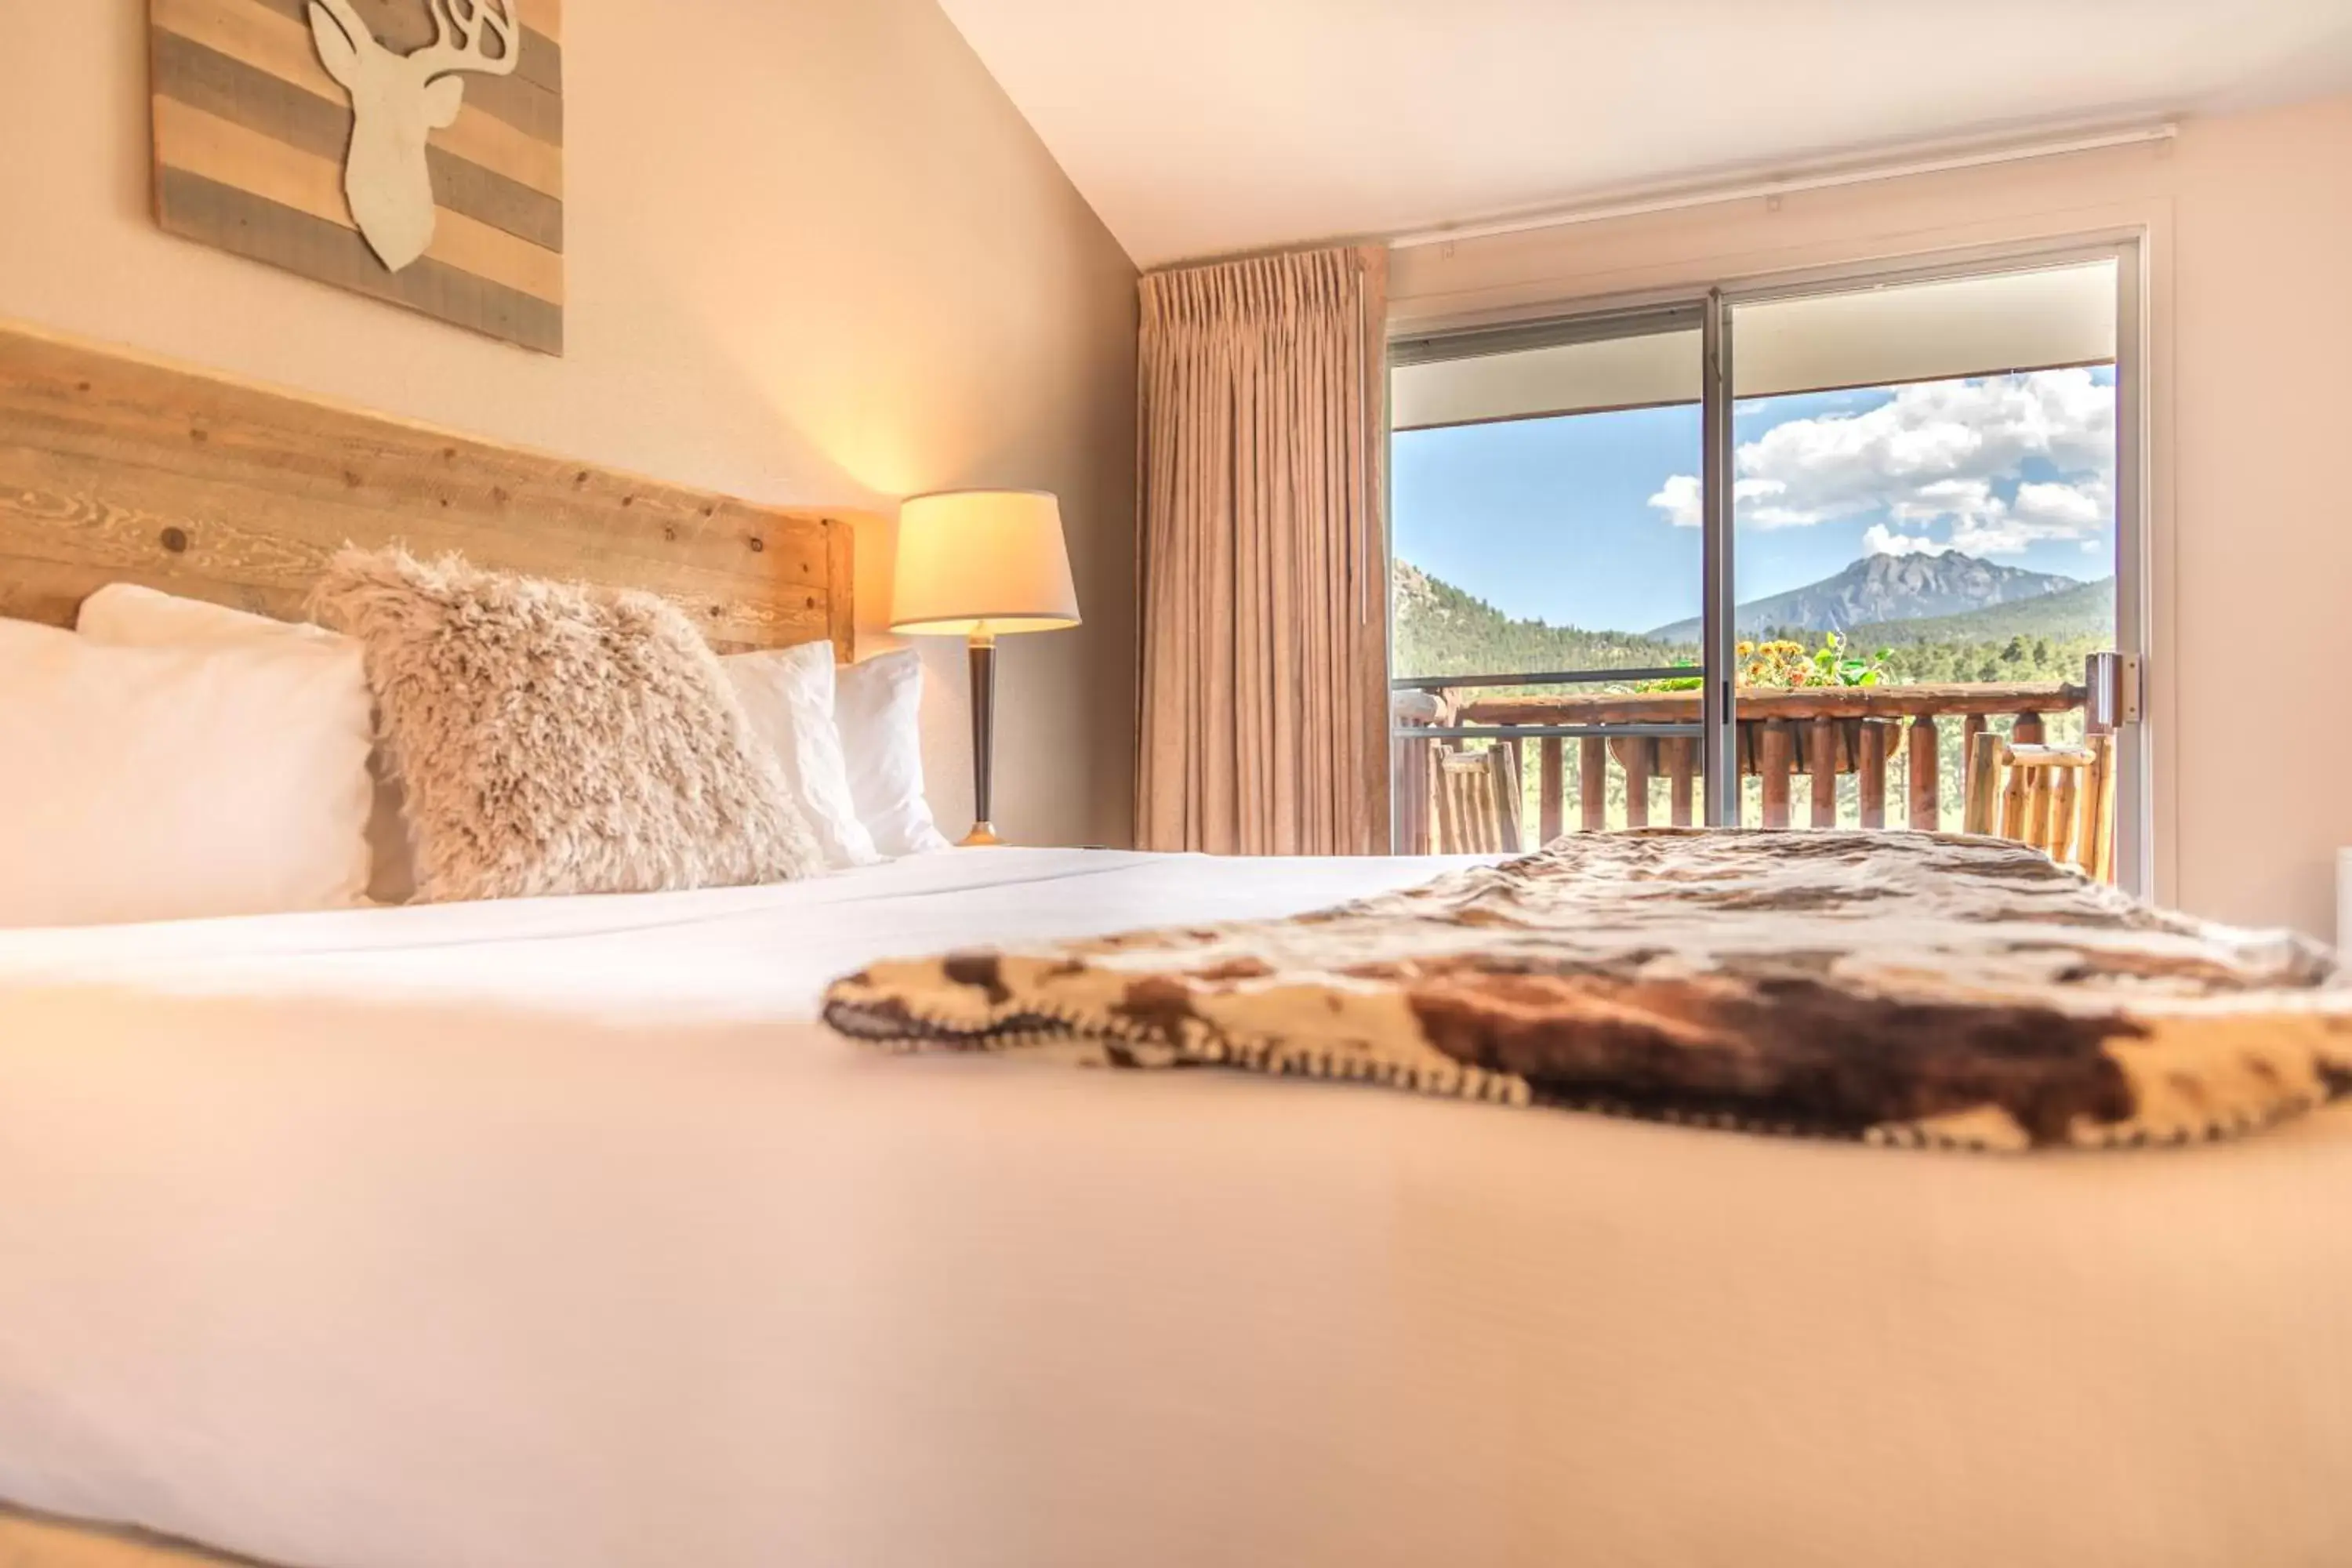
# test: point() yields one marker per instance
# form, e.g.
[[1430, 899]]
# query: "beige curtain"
[[1263, 561]]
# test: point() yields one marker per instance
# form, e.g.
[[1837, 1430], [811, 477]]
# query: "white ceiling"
[[1197, 127]]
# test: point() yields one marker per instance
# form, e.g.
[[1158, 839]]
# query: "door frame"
[[2132, 248]]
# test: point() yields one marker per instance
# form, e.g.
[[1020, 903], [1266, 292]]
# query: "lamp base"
[[983, 736]]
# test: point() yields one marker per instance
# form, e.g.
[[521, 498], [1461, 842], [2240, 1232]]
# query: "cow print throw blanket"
[[1904, 988]]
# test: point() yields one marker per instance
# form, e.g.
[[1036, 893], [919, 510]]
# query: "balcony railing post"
[[1870, 772], [2029, 729], [2063, 813], [1551, 788], [1926, 783], [1681, 776], [1592, 782], [1821, 765], [1775, 757], [1634, 756]]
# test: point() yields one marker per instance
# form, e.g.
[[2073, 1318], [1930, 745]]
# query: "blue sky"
[[1590, 519]]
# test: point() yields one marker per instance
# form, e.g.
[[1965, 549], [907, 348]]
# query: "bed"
[[555, 1232], [559, 1231]]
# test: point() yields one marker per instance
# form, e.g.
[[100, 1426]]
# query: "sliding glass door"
[[1537, 477], [1777, 557], [1925, 474]]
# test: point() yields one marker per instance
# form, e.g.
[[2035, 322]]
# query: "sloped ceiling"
[[1198, 127]]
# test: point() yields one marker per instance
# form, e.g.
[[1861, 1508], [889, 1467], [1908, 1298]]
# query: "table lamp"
[[980, 564]]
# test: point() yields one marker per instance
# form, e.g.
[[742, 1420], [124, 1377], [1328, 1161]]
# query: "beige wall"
[[814, 256], [2262, 540], [2248, 223]]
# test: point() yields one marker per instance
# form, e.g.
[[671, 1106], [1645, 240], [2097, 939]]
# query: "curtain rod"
[[1849, 174]]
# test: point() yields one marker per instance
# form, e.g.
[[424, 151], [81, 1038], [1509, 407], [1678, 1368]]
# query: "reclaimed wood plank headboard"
[[116, 469]]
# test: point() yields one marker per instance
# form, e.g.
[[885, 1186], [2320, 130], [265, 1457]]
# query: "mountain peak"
[[1879, 588]]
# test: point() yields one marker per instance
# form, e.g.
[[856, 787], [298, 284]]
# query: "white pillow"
[[128, 615], [877, 704], [164, 783], [789, 694]]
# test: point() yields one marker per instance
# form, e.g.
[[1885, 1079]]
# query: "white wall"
[[813, 256], [2248, 222]]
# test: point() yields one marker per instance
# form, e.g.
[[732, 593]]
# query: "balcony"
[[1632, 758]]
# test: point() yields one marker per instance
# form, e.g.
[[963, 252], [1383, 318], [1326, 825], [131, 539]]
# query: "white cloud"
[[1998, 535], [1944, 498], [1679, 498], [2074, 506], [1935, 448], [2053, 511], [1935, 453], [1879, 540]]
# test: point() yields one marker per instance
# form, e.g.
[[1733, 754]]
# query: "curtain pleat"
[[1261, 558]]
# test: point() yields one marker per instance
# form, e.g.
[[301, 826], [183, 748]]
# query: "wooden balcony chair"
[[2059, 799], [1474, 801]]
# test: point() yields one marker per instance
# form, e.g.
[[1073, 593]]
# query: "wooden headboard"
[[115, 469]]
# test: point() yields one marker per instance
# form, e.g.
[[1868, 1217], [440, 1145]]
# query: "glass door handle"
[[2112, 683]]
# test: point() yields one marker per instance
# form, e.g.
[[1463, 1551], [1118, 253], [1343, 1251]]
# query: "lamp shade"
[[982, 560]]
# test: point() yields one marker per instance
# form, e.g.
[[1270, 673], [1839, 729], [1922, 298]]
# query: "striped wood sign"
[[252, 134]]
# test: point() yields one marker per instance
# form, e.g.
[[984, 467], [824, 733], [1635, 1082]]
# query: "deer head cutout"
[[397, 98]]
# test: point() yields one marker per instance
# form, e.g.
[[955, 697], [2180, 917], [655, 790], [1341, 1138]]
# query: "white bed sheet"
[[555, 1232]]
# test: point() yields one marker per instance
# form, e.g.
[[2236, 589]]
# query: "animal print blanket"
[[1906, 988]]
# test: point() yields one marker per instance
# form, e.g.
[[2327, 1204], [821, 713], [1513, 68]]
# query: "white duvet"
[[555, 1233]]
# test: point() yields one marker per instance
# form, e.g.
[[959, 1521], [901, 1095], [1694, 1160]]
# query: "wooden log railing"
[[1820, 733]]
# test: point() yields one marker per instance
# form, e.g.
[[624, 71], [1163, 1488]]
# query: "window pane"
[[1559, 543], [1540, 530]]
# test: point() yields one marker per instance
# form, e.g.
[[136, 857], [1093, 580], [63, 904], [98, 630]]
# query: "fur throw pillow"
[[559, 739]]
